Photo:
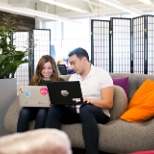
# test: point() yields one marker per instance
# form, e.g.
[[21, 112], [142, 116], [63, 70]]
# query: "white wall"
[[68, 36]]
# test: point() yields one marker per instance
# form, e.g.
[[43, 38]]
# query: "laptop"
[[65, 93], [34, 96]]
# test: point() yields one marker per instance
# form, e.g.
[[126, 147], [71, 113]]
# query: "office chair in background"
[[62, 69]]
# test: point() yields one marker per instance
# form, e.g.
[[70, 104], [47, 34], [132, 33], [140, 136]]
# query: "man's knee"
[[86, 108]]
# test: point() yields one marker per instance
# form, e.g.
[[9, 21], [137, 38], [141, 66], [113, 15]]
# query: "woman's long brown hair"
[[38, 76]]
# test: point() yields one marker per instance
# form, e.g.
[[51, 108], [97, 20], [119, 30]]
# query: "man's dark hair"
[[80, 53]]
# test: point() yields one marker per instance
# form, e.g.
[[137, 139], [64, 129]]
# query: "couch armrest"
[[120, 103], [11, 116]]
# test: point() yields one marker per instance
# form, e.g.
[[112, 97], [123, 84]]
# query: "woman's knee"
[[42, 114], [42, 111], [24, 112]]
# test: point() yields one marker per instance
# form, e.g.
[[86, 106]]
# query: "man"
[[97, 90]]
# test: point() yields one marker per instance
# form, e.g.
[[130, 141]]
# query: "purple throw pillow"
[[122, 82]]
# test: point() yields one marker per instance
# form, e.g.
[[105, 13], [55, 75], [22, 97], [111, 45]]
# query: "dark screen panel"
[[21, 43], [100, 43], [121, 44], [150, 42], [138, 45]]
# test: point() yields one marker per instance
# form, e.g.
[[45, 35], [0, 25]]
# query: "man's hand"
[[86, 100]]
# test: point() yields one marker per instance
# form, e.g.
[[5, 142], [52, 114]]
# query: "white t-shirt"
[[91, 86]]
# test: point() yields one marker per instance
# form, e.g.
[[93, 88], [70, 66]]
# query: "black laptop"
[[65, 93]]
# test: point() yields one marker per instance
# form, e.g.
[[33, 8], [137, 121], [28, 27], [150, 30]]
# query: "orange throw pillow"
[[141, 106]]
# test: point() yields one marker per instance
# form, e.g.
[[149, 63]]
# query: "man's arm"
[[107, 98]]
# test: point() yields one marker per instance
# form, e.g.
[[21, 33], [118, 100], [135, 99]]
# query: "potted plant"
[[10, 59]]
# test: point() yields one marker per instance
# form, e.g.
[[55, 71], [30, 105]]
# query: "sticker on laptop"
[[27, 94], [21, 91], [44, 91], [76, 100], [64, 93]]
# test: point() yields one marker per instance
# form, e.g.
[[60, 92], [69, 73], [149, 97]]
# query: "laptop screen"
[[65, 93]]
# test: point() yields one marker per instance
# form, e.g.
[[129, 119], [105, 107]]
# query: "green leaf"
[[10, 58]]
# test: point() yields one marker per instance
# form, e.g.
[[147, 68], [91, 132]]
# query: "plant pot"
[[8, 92]]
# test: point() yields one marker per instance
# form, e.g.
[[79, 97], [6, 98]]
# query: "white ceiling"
[[91, 8]]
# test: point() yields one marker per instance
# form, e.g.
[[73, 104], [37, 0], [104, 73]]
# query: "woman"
[[46, 71]]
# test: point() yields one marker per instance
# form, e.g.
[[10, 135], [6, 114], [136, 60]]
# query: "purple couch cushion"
[[122, 82]]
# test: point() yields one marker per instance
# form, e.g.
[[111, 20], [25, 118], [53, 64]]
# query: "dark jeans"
[[30, 113], [89, 116]]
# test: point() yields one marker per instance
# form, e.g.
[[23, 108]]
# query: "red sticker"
[[44, 91]]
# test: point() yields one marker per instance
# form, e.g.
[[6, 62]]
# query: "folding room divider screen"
[[127, 44], [121, 42], [38, 41], [149, 45], [100, 42]]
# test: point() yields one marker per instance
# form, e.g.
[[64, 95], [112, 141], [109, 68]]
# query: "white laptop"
[[34, 96]]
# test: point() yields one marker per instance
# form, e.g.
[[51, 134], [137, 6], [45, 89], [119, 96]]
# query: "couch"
[[117, 136]]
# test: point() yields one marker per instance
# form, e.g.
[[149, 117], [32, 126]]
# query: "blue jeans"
[[28, 114], [89, 116]]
